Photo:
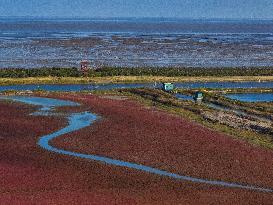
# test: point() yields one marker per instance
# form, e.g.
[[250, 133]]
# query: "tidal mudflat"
[[32, 43]]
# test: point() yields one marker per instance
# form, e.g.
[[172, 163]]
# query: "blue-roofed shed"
[[167, 87]]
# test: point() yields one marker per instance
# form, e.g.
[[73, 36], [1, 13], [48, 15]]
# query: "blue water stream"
[[90, 87], [77, 121]]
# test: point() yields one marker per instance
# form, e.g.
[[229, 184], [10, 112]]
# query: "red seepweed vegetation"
[[127, 131]]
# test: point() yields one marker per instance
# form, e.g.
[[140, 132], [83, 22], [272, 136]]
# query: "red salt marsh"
[[130, 132]]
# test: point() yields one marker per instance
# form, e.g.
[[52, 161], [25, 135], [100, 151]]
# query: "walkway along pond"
[[77, 121]]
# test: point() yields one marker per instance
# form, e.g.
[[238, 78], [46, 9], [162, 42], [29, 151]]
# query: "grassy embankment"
[[216, 96], [191, 111], [132, 75], [127, 79]]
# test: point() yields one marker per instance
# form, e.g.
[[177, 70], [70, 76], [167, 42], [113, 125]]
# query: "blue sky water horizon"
[[196, 9]]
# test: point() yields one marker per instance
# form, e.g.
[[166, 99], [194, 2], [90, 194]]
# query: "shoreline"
[[129, 79]]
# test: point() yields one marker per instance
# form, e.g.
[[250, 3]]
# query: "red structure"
[[84, 66]]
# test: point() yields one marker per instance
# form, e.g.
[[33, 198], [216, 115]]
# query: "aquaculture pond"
[[251, 97], [82, 87]]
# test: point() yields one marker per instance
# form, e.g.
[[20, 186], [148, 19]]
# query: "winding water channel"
[[77, 121]]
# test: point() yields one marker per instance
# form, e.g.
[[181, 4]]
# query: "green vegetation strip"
[[116, 71]]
